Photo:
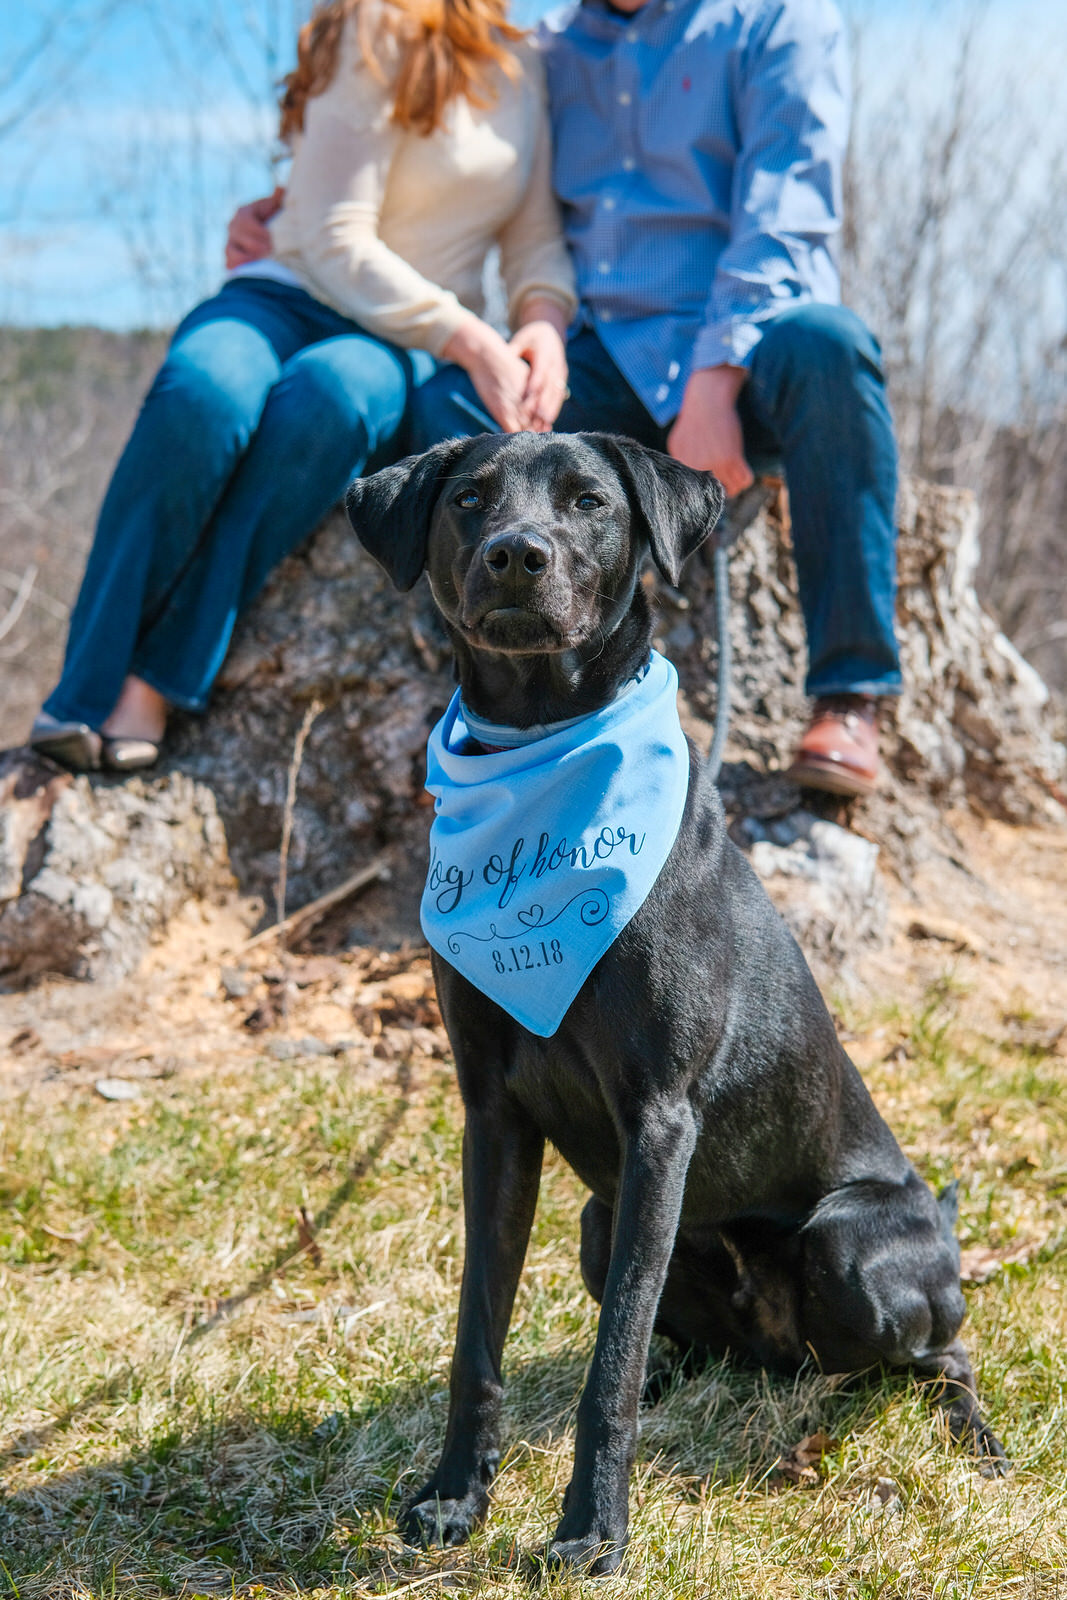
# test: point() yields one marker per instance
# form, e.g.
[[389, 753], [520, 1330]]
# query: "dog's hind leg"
[[595, 1254], [694, 1310], [881, 1284]]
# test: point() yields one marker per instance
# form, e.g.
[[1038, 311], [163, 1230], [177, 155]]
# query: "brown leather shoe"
[[839, 751]]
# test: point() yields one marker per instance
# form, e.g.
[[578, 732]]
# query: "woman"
[[419, 139]]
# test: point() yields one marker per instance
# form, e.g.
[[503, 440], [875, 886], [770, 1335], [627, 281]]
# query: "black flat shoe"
[[72, 744]]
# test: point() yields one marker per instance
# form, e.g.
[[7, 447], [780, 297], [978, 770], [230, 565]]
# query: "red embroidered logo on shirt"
[[686, 85]]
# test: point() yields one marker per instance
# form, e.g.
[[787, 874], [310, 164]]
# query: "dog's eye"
[[468, 500], [587, 502]]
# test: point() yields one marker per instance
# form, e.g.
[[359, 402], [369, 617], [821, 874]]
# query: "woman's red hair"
[[446, 48]]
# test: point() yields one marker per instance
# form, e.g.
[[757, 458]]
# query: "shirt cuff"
[[729, 343]]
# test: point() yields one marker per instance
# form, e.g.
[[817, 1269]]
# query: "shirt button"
[[668, 5], [624, 98], [628, 163], [663, 391], [673, 370], [609, 203], [605, 316], [603, 266]]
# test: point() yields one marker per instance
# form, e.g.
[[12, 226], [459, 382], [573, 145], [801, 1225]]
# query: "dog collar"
[[540, 855], [494, 736]]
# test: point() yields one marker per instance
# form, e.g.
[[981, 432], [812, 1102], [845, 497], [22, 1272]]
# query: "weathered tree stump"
[[89, 873], [974, 727]]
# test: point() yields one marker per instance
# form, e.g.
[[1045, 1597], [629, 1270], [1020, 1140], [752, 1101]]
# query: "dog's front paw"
[[589, 1554], [993, 1461], [969, 1428], [429, 1520]]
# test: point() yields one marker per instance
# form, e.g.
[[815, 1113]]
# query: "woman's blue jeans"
[[267, 404], [815, 401]]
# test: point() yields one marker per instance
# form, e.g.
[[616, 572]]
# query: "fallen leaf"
[[800, 1464], [89, 1055], [25, 1039], [982, 1262], [305, 1232]]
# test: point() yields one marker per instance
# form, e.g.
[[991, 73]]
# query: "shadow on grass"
[[35, 1439], [290, 1500], [271, 1498]]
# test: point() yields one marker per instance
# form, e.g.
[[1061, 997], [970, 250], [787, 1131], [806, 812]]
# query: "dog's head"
[[533, 542]]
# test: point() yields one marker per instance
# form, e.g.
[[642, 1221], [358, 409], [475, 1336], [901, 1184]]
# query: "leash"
[[740, 511]]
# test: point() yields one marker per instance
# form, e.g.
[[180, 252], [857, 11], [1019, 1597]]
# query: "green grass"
[[190, 1404]]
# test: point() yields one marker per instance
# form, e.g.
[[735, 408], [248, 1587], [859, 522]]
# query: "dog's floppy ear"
[[674, 507], [391, 509]]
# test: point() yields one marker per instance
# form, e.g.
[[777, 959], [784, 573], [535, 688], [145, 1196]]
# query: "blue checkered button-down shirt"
[[698, 150]]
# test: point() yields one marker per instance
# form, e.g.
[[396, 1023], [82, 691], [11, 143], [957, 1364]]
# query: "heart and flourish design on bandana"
[[540, 855]]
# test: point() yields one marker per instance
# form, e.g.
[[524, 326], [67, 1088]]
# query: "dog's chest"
[[560, 1092]]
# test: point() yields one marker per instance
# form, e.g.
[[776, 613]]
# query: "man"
[[698, 152]]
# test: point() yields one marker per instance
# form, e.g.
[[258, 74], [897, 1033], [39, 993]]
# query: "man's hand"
[[541, 343], [707, 431], [248, 237]]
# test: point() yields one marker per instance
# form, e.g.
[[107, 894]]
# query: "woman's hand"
[[248, 237], [541, 343], [498, 374]]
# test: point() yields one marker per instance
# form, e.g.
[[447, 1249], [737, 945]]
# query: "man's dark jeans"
[[815, 400]]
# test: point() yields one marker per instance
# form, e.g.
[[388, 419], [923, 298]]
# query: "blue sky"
[[136, 125]]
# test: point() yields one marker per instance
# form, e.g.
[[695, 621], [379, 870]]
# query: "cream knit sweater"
[[392, 228]]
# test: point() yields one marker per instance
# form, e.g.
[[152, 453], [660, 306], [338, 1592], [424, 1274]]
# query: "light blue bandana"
[[539, 856]]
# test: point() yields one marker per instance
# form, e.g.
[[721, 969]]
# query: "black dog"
[[746, 1194]]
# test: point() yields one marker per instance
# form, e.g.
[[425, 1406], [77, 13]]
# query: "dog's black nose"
[[517, 553]]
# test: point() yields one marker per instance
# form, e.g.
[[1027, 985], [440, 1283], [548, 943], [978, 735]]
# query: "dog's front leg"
[[502, 1154], [657, 1150]]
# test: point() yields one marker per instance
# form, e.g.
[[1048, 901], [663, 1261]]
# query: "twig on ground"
[[315, 909], [18, 605], [43, 601], [310, 714]]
